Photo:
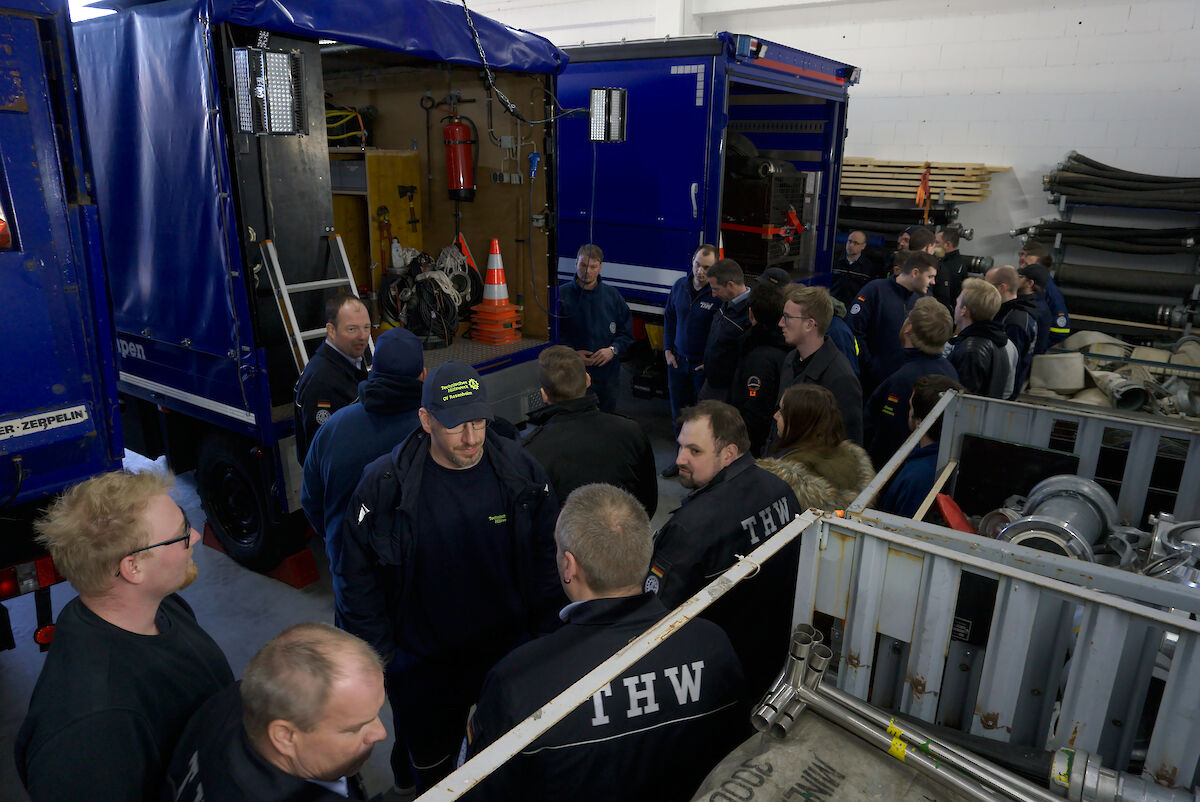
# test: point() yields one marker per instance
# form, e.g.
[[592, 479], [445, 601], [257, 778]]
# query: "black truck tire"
[[237, 503]]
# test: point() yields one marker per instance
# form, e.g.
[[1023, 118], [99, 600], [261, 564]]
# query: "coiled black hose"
[[1078, 161], [1086, 181], [1124, 280], [903, 217]]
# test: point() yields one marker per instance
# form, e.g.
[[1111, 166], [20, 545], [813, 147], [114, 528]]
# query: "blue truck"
[[59, 420], [241, 150], [729, 139]]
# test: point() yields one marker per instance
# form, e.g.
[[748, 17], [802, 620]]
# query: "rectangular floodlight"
[[607, 114], [269, 90]]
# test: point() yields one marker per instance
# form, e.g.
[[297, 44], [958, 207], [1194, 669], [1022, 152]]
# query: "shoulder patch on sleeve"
[[854, 310]]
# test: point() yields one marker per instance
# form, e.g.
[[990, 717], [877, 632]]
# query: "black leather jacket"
[[985, 359]]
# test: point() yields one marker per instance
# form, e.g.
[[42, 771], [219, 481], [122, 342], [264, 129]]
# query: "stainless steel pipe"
[[864, 729], [990, 773]]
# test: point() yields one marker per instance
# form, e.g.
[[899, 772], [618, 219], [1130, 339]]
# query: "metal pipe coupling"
[[814, 669], [1064, 515], [804, 637], [1080, 777]]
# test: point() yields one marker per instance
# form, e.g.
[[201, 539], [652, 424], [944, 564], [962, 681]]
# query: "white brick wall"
[[1018, 83]]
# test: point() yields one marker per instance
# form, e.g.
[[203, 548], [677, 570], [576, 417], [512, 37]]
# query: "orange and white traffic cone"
[[495, 321]]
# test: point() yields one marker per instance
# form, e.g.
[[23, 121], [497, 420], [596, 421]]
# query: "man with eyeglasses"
[[853, 269], [448, 557], [129, 663], [330, 379], [807, 312]]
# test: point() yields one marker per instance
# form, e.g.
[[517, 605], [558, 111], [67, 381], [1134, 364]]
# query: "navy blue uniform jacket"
[[1060, 321], [618, 745], [378, 547], [687, 320], [595, 319], [912, 483], [875, 317], [329, 382], [887, 409]]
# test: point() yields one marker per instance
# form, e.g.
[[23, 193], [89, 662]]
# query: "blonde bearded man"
[[129, 663]]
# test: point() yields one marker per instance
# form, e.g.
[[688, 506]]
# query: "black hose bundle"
[[1178, 285], [423, 300], [1114, 238], [879, 215], [1088, 182], [433, 316]]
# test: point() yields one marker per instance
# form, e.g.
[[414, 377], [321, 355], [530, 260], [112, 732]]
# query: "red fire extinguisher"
[[460, 163]]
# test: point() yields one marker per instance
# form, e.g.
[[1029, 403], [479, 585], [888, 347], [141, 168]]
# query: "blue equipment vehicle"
[[728, 139], [58, 397], [247, 155]]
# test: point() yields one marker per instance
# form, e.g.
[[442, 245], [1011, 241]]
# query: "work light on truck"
[[607, 115], [269, 88]]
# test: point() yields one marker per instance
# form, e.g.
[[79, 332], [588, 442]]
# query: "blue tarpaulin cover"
[[161, 178], [432, 29], [146, 88]]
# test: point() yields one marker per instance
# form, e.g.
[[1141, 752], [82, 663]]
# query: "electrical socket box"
[[499, 178], [515, 178], [508, 142]]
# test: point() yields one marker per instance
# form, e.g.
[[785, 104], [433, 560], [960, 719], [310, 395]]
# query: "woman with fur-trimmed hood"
[[812, 454]]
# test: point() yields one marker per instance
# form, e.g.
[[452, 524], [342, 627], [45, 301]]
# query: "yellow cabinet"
[[363, 183]]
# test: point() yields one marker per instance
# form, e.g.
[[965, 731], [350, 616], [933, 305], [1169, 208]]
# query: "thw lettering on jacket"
[[639, 692], [767, 521]]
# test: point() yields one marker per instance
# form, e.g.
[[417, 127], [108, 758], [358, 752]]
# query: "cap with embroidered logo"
[[454, 394]]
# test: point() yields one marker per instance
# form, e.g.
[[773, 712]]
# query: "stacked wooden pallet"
[[948, 182]]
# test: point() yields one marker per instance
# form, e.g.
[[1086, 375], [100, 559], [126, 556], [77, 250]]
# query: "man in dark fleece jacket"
[[578, 444], [1019, 316], [924, 335], [354, 436], [733, 507], [448, 555], [981, 353], [807, 312]]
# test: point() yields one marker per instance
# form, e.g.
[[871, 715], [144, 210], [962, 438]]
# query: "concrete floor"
[[242, 609]]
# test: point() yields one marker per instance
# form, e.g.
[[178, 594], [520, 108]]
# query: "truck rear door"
[[56, 422], [644, 201]]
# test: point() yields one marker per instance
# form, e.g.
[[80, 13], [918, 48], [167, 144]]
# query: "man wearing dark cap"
[[1036, 253], [448, 558], [385, 414], [1034, 278]]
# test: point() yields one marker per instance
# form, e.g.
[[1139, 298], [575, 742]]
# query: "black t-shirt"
[[110, 705], [464, 586]]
